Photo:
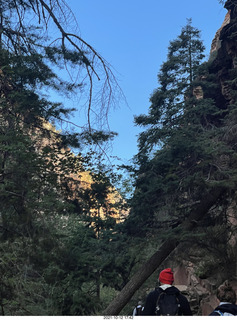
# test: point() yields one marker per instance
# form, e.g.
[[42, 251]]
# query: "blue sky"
[[133, 36]]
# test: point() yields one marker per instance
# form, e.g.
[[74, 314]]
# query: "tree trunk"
[[166, 248]]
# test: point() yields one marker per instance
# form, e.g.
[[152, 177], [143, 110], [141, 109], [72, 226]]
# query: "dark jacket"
[[150, 305], [225, 308]]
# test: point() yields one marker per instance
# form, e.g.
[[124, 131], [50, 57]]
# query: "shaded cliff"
[[207, 269]]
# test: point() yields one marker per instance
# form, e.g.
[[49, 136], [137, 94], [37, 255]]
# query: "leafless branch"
[[101, 97]]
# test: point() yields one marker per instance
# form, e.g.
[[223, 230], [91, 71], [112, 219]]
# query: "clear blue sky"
[[133, 36]]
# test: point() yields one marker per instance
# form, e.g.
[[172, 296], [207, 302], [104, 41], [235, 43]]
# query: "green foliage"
[[50, 55], [176, 80], [182, 150], [56, 262], [55, 251]]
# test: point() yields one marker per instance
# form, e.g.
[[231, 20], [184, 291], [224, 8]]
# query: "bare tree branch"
[[100, 97]]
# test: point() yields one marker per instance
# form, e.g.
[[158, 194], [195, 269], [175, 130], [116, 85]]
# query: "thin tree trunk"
[[164, 251]]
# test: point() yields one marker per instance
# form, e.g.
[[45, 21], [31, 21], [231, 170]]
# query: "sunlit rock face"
[[223, 55], [216, 42]]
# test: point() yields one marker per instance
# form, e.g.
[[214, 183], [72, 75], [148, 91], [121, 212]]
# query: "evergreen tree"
[[182, 137], [48, 264], [176, 80], [186, 166]]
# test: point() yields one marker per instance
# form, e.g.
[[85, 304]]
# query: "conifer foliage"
[[51, 243], [46, 32], [182, 136], [176, 82]]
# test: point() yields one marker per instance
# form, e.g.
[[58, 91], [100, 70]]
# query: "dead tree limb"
[[164, 251]]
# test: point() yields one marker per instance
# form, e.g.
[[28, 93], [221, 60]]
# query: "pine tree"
[[182, 136], [175, 78]]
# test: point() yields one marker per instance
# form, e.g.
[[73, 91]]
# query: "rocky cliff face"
[[216, 42], [224, 53], [201, 293]]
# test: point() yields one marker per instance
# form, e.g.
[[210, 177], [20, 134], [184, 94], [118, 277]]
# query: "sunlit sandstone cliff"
[[79, 183]]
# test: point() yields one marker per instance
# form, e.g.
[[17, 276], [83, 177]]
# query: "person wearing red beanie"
[[166, 276], [166, 279]]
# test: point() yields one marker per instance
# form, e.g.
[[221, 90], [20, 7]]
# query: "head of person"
[[166, 276], [225, 293]]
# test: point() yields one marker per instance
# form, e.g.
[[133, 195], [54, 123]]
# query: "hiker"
[[138, 310], [227, 298], [166, 299]]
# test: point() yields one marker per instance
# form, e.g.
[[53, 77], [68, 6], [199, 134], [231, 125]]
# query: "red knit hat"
[[166, 276]]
